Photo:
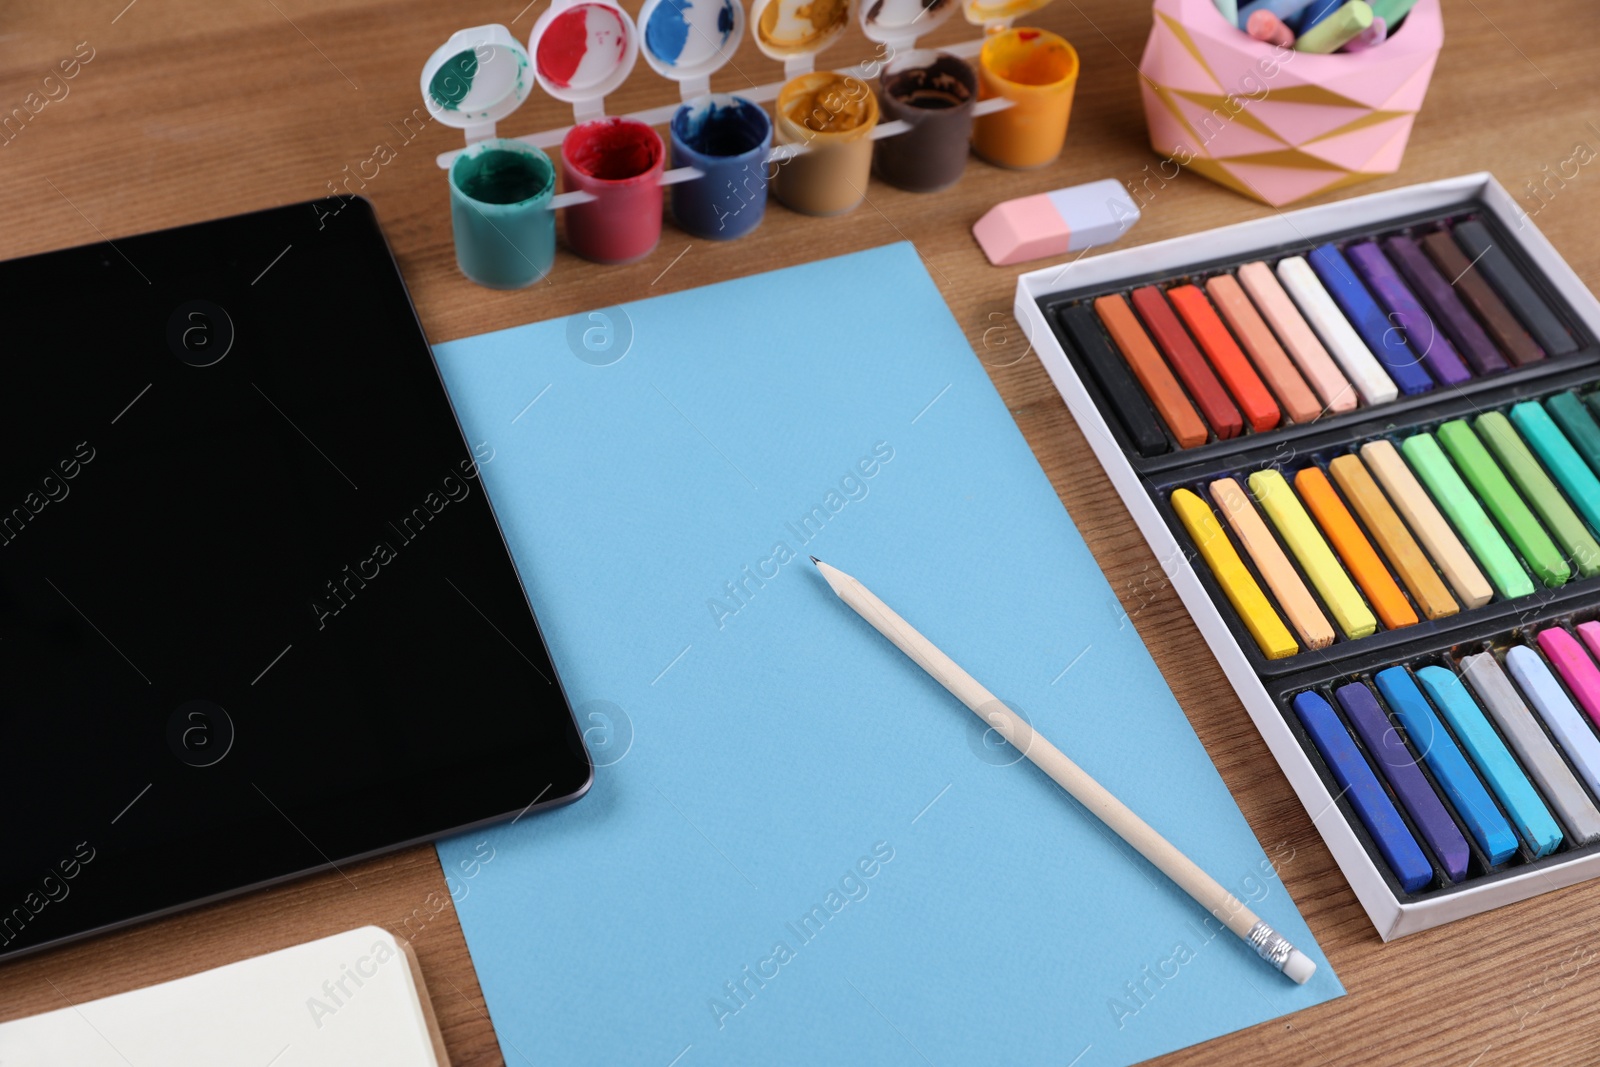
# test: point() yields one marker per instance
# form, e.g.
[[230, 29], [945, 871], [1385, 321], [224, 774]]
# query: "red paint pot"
[[617, 161]]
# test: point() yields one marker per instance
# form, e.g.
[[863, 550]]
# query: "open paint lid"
[[900, 22], [582, 50], [689, 40], [998, 12], [796, 30], [477, 77]]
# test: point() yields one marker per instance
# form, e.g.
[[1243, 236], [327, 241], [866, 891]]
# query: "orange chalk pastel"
[[1340, 528]]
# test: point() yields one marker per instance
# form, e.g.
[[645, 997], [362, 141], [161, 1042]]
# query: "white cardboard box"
[[1392, 916]]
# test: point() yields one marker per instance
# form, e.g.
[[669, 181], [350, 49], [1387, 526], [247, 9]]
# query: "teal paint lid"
[[477, 77]]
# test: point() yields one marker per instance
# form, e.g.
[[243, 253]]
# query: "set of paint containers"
[[828, 132]]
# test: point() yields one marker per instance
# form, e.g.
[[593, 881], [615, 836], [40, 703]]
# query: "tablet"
[[257, 618]]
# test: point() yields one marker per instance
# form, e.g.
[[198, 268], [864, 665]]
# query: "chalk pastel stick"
[[1281, 577], [1111, 371], [1493, 489], [1316, 558], [1541, 493], [1575, 668], [1268, 356], [1229, 10], [1265, 26], [1353, 548], [1579, 426], [1590, 632], [1406, 313], [1380, 335], [1396, 763], [1355, 359], [1316, 12], [1152, 371], [1248, 390], [1515, 793], [1358, 785], [1443, 546], [1284, 9], [1187, 362], [1392, 537], [1538, 756], [1514, 289], [1369, 38], [1461, 785], [1271, 636], [1337, 30], [1332, 387], [1558, 456], [1442, 301], [1514, 341], [1533, 677], [1466, 515], [1392, 11]]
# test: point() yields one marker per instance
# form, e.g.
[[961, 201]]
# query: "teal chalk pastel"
[[1579, 426], [1540, 491], [1565, 465], [1462, 787], [1495, 491], [1466, 515], [1521, 801]]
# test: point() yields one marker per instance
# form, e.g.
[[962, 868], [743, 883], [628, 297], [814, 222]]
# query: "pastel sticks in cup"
[[1267, 344]]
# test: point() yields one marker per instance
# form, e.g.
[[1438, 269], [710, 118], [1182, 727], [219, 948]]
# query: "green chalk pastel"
[[1392, 11], [1578, 425], [1466, 515], [1560, 459], [1540, 493], [1337, 30]]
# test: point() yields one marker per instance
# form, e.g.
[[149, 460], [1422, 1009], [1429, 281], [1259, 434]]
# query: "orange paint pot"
[[1038, 72]]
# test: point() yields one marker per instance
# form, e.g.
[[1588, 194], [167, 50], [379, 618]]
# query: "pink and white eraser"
[[1048, 224]]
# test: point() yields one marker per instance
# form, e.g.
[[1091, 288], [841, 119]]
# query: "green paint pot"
[[505, 230]]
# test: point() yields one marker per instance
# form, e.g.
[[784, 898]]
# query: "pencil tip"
[[814, 559]]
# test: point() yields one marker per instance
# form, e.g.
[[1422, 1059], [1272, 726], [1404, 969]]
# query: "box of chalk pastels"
[[1363, 439]]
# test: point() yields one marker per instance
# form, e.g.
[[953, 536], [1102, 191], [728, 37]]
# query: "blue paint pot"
[[728, 139]]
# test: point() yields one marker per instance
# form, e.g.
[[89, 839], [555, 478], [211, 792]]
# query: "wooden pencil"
[[1268, 943]]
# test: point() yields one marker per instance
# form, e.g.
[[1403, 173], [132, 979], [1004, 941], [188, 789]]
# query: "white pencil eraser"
[[1048, 224], [1299, 967]]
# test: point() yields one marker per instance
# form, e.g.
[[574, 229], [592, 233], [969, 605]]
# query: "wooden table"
[[197, 109]]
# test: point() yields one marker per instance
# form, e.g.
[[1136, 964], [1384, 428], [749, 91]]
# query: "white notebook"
[[352, 998]]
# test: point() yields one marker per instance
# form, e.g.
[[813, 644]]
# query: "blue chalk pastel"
[[1360, 786], [1395, 762], [1386, 340], [1315, 13], [1556, 709], [1284, 9], [1474, 807], [1527, 810]]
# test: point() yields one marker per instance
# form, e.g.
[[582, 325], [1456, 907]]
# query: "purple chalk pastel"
[[1404, 312], [1399, 766], [1439, 296]]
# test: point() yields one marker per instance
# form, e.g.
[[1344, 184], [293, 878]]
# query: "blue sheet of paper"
[[798, 847]]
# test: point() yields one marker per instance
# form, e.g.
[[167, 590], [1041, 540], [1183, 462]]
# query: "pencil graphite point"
[[814, 559]]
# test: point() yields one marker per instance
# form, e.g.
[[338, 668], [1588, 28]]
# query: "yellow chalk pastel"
[[1289, 516], [1243, 593]]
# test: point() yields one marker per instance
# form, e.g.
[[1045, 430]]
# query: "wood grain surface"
[[194, 109]]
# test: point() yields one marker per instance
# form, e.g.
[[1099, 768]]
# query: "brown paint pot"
[[833, 115], [934, 93]]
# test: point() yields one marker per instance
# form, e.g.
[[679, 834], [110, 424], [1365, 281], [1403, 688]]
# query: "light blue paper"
[[751, 761]]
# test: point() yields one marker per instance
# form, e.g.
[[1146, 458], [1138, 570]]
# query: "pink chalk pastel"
[[1371, 37], [1263, 25], [1051, 224], [1574, 665], [1590, 632]]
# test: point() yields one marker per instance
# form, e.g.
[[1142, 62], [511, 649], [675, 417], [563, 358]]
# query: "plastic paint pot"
[[934, 92], [1037, 71], [619, 162], [505, 232], [727, 138], [832, 114]]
